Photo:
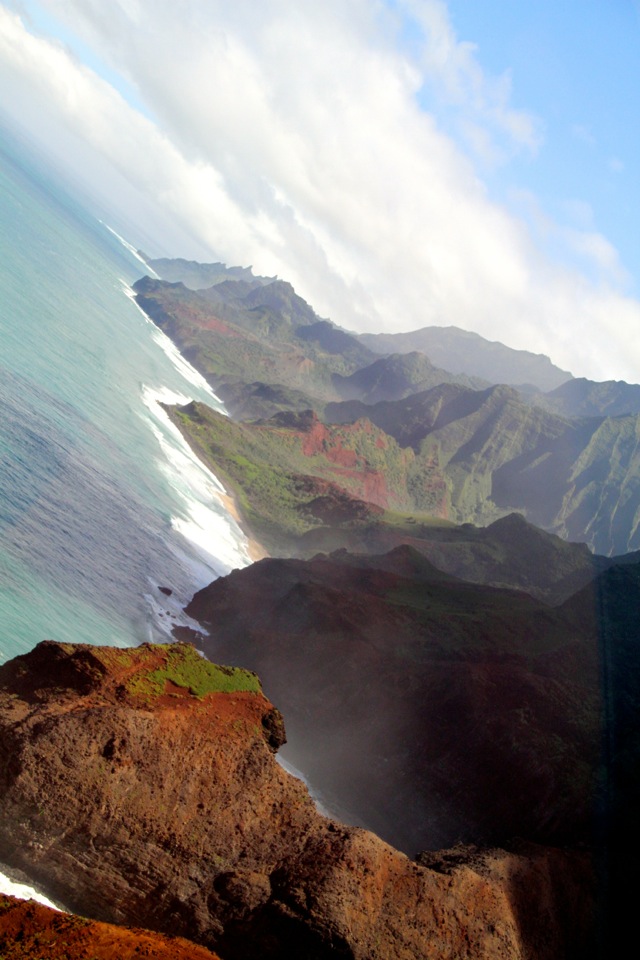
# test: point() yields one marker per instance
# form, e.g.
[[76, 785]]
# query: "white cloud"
[[290, 136], [455, 75]]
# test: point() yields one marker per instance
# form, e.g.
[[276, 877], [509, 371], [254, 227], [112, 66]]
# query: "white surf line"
[[316, 797], [132, 250], [196, 483], [183, 366], [206, 522], [168, 611], [12, 887]]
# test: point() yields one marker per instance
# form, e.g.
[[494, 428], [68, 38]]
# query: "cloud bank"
[[300, 138]]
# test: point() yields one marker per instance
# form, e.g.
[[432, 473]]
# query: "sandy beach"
[[255, 550]]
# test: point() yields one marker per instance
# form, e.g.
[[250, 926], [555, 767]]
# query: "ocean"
[[101, 501]]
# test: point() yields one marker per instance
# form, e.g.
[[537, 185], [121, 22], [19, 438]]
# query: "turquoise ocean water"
[[101, 502]]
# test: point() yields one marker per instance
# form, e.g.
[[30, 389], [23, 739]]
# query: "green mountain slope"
[[305, 487], [578, 478], [293, 473], [586, 398], [268, 335], [397, 376], [459, 454], [245, 332]]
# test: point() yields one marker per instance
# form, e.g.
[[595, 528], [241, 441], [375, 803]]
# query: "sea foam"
[[183, 366], [204, 521], [132, 250], [11, 886]]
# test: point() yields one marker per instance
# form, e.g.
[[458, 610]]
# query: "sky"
[[402, 162]]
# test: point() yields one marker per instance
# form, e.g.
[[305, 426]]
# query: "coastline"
[[255, 549], [15, 883]]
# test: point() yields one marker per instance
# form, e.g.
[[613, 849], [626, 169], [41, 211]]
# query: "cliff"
[[449, 454], [428, 708], [140, 786]]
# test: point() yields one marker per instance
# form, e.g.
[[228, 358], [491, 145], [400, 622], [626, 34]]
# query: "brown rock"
[[134, 791]]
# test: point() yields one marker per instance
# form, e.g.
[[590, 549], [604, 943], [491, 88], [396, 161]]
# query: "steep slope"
[[508, 553], [479, 454], [305, 487], [198, 276], [450, 453], [461, 351], [237, 331], [292, 472], [260, 401], [396, 376], [278, 340], [586, 398], [439, 709], [579, 478], [164, 804], [610, 609]]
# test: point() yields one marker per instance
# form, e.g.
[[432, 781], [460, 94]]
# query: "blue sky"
[[403, 163], [576, 65]]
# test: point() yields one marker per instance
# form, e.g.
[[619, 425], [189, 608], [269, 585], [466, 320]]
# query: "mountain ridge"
[[489, 450], [460, 350]]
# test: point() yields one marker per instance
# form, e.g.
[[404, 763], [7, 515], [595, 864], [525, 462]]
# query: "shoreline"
[[255, 549], [15, 883]]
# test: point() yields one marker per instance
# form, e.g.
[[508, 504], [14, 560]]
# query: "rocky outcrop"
[[141, 786]]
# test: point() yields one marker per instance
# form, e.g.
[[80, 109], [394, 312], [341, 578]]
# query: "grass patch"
[[185, 668]]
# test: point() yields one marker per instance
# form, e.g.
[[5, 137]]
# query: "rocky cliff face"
[[140, 786]]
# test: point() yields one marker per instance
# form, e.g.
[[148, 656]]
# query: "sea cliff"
[[140, 786]]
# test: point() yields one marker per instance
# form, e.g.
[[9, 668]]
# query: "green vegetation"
[[184, 667], [286, 471], [297, 496], [145, 671], [471, 455], [240, 332]]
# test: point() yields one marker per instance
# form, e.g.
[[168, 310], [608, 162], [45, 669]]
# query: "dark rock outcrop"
[[426, 708]]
